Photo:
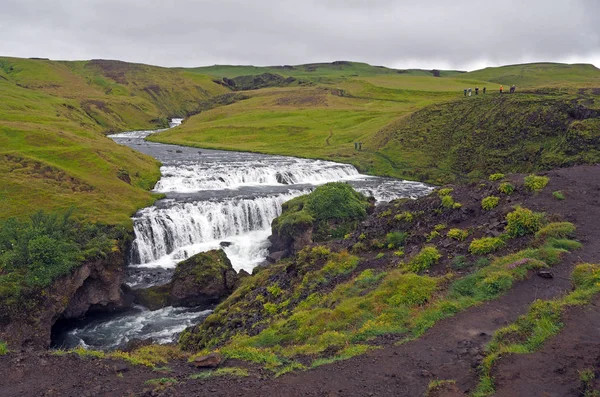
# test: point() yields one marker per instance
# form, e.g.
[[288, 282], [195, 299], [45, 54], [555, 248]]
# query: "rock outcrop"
[[93, 286], [203, 279]]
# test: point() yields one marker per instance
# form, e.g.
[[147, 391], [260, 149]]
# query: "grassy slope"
[[323, 121], [53, 120]]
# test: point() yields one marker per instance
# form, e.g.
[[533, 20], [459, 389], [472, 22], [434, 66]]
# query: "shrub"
[[485, 245], [559, 195], [445, 191], [414, 290], [427, 257], [337, 200], [536, 183], [395, 239], [448, 202], [556, 230], [358, 247], [432, 235], [439, 227], [506, 188], [523, 221], [458, 234], [3, 348], [490, 202], [405, 216], [380, 255], [586, 275], [496, 177]]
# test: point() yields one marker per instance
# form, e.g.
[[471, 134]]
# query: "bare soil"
[[452, 349]]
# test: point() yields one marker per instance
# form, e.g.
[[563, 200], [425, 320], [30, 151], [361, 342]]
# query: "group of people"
[[468, 91], [357, 145]]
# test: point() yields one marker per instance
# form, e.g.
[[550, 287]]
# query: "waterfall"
[[179, 229], [198, 176]]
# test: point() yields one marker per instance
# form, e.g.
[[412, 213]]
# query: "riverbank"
[[447, 351]]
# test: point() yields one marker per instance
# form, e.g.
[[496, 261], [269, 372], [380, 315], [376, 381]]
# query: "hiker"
[[501, 89], [359, 146], [484, 90], [355, 145], [465, 90], [469, 91], [476, 90], [513, 89]]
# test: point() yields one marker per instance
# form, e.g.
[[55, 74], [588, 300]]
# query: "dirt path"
[[450, 350]]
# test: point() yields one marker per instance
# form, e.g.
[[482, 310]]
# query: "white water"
[[165, 236], [161, 325]]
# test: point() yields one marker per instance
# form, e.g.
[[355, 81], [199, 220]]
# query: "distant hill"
[[540, 74]]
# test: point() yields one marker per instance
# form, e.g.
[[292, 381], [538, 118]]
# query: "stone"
[[120, 367], [545, 274], [211, 360], [225, 244]]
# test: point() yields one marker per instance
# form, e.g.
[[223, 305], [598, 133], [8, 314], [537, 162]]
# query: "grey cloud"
[[263, 32]]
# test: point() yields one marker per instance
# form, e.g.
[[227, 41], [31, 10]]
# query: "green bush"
[[427, 257], [490, 202], [559, 195], [3, 348], [485, 245], [445, 192], [396, 239], [506, 188], [337, 200], [536, 183], [380, 255], [458, 234], [432, 235], [36, 252], [496, 177], [448, 202], [523, 221], [556, 230]]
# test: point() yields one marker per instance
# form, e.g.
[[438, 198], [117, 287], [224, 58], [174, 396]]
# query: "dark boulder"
[[212, 360], [203, 279]]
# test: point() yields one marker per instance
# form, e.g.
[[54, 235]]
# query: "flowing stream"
[[213, 199]]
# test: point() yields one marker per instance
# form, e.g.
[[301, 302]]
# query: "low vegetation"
[[458, 234], [543, 320], [490, 202], [485, 245], [36, 252], [536, 183]]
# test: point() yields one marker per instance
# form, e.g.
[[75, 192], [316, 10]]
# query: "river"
[[211, 197]]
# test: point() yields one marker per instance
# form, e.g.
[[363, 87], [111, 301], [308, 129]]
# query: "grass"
[[225, 371], [559, 195], [543, 320], [536, 183], [3, 348], [53, 120], [485, 245], [490, 202]]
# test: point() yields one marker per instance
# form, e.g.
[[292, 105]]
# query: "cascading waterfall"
[[194, 177], [212, 197], [180, 229]]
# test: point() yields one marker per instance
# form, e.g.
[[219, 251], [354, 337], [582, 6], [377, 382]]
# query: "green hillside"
[[53, 119], [324, 120], [540, 74]]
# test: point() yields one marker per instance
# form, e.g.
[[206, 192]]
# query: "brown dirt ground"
[[450, 350]]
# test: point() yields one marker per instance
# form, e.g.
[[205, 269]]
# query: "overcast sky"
[[458, 34]]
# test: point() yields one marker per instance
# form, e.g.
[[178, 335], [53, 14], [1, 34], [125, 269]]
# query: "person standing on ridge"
[[465, 91], [501, 89], [359, 146], [469, 91], [484, 90], [476, 90], [355, 145]]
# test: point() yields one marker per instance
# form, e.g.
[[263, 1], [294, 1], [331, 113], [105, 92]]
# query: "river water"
[[212, 197]]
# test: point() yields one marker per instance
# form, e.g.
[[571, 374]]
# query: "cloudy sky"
[[459, 34]]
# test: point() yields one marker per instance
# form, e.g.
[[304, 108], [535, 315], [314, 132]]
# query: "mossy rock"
[[204, 279]]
